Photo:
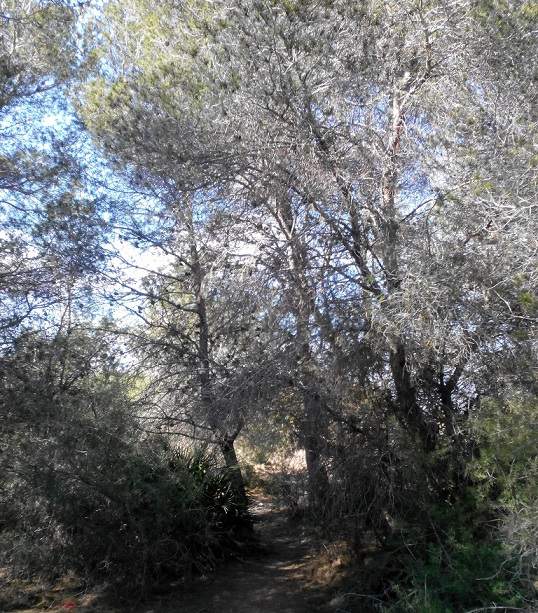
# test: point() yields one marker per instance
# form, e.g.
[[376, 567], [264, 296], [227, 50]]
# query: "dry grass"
[[328, 567], [66, 594]]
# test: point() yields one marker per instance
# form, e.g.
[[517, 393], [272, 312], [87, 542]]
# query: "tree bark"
[[406, 406], [318, 480], [304, 309], [227, 449]]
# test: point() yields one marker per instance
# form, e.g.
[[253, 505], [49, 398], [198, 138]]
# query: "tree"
[[384, 127], [205, 341], [49, 226]]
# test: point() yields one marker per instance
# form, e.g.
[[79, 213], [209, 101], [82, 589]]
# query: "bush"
[[151, 514], [519, 532], [455, 561], [507, 474], [461, 521], [457, 575], [82, 488]]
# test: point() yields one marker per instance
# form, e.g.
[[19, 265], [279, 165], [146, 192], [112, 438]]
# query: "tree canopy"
[[310, 223]]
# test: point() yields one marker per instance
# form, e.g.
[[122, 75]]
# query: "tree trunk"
[[318, 481], [226, 443], [227, 448], [406, 405], [304, 308]]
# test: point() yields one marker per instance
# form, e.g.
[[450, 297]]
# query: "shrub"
[[148, 514], [507, 473], [458, 575], [462, 533], [82, 488], [457, 562]]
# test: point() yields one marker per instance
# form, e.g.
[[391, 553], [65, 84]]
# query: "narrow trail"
[[276, 579], [270, 582]]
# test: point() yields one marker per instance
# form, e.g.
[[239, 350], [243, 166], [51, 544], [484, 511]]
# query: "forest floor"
[[274, 580], [286, 575]]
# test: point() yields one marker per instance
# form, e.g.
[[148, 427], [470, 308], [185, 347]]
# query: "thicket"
[[85, 490], [432, 532], [477, 546]]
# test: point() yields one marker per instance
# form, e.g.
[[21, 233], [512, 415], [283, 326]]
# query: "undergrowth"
[[138, 517]]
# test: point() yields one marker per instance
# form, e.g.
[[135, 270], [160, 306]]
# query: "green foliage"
[[508, 439], [38, 49], [160, 48], [506, 472], [136, 517], [529, 302], [333, 130], [458, 566], [529, 10], [479, 549]]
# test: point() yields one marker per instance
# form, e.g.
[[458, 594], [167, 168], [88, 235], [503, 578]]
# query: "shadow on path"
[[271, 582]]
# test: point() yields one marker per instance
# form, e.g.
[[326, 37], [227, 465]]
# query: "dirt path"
[[271, 582], [275, 580]]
